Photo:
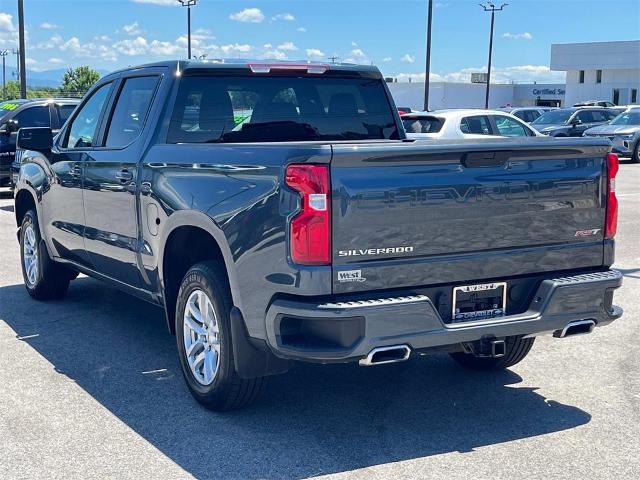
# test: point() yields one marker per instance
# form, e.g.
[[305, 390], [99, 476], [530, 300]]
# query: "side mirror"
[[575, 121], [39, 139]]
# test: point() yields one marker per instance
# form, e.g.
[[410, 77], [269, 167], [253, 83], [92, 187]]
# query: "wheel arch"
[[24, 200], [190, 237]]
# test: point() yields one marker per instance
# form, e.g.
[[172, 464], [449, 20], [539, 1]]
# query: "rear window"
[[225, 109], [422, 125]]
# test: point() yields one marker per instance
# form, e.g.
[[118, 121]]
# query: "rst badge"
[[588, 233]]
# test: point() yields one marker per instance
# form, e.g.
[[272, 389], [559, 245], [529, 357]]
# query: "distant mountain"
[[50, 78]]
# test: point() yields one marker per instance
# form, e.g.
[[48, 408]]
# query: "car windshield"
[[255, 108], [422, 124], [554, 116], [631, 117]]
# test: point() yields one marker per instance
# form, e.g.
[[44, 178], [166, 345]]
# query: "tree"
[[79, 80], [12, 90]]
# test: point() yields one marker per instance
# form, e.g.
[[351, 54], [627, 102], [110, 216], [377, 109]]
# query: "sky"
[[110, 34]]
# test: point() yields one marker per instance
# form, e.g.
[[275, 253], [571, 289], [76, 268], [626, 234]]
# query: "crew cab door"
[[63, 210], [110, 179]]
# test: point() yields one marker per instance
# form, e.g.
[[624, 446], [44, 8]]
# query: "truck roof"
[[225, 64]]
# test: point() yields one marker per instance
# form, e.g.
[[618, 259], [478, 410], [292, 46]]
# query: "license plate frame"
[[462, 292]]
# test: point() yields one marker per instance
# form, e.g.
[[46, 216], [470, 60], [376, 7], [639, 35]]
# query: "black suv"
[[572, 122], [15, 114]]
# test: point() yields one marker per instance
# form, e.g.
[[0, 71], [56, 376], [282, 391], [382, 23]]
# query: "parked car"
[[309, 229], [595, 103], [403, 110], [465, 123], [624, 133], [572, 122], [15, 114], [526, 114]]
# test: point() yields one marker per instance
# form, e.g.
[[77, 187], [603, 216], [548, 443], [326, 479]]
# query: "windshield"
[[7, 107], [631, 117], [554, 116], [255, 108]]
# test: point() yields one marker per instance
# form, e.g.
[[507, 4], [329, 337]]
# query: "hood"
[[613, 130]]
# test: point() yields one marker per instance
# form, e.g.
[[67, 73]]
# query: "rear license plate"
[[475, 302]]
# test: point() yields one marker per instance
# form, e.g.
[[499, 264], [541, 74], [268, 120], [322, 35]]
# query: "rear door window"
[[586, 116], [477, 125], [256, 108], [131, 110]]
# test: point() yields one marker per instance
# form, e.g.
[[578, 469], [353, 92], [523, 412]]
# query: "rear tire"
[[203, 334], [43, 278], [635, 158], [516, 349]]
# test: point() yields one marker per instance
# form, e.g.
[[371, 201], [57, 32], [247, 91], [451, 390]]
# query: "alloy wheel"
[[201, 338]]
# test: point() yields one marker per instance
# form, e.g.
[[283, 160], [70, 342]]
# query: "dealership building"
[[594, 71], [599, 71]]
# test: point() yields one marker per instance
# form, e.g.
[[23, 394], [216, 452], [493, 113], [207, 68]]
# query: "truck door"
[[63, 212], [110, 175]]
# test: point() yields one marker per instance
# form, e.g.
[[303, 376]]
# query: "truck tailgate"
[[424, 214]]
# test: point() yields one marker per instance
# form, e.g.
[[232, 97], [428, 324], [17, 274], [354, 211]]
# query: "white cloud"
[[30, 61], [406, 58], [48, 26], [165, 49], [55, 61], [301, 29], [268, 45], [314, 53], [516, 73], [132, 47], [235, 49], [358, 53], [164, 3], [275, 55], [6, 23], [133, 29], [248, 15], [287, 17], [53, 42], [387, 59], [288, 46], [354, 44], [518, 36]]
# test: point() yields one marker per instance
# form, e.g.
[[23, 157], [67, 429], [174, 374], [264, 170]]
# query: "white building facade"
[[472, 95], [599, 71]]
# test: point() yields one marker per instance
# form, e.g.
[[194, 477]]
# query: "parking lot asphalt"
[[90, 387]]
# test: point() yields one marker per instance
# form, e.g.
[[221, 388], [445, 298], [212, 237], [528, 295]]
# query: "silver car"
[[624, 133]]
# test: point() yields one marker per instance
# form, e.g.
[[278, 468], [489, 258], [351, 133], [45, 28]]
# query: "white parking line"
[[627, 194]]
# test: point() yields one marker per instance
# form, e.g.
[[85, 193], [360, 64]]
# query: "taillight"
[[611, 222], [310, 229]]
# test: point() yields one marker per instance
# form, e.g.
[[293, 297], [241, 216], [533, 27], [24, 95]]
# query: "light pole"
[[428, 65], [4, 54], [490, 7], [23, 70], [188, 4]]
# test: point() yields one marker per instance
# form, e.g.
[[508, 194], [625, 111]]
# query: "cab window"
[[83, 127]]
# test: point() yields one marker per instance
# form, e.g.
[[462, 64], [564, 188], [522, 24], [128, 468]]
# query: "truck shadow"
[[314, 420]]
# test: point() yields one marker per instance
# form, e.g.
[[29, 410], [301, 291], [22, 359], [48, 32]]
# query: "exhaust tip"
[[382, 355], [579, 327]]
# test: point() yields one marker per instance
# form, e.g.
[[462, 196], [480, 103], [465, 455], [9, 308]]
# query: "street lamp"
[[428, 64], [188, 4], [3, 54], [490, 7]]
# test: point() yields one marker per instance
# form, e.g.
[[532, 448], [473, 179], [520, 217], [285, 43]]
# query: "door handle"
[[124, 175], [75, 170]]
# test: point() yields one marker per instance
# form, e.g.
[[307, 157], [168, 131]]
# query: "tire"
[[635, 158], [516, 349], [206, 355], [43, 278]]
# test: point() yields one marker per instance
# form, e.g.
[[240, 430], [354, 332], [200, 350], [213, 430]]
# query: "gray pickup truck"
[[277, 212]]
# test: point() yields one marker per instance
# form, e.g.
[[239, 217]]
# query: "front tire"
[[43, 278], [516, 349], [203, 334]]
